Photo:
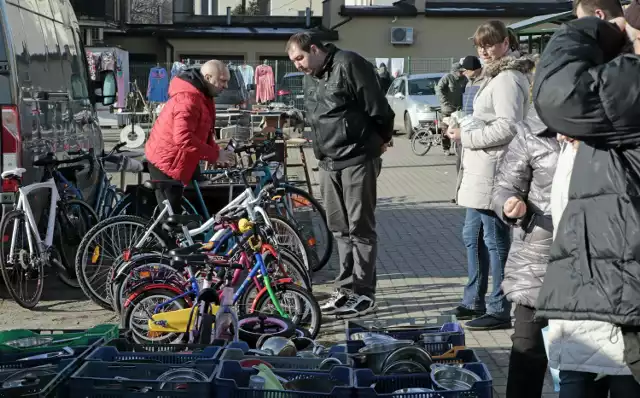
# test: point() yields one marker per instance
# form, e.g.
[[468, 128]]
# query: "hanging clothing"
[[176, 68], [108, 61], [247, 73], [264, 84], [157, 90], [93, 61]]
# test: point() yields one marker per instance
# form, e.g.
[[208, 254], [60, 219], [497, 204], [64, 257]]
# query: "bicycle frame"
[[36, 244]]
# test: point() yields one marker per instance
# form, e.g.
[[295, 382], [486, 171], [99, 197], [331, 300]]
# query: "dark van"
[[46, 97]]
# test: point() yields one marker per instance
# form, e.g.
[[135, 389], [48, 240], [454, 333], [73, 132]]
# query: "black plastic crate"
[[126, 345], [108, 380]]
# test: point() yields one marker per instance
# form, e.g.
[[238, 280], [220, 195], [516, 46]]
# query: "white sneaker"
[[337, 300], [356, 306]]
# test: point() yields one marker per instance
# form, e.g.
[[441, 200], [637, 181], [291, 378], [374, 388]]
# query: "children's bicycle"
[[156, 268], [301, 306]]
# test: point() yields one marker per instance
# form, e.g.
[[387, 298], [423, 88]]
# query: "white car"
[[412, 98]]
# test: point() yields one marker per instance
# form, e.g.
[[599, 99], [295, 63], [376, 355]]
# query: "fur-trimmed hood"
[[513, 61]]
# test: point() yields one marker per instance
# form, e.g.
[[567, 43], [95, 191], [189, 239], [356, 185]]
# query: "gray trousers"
[[349, 198]]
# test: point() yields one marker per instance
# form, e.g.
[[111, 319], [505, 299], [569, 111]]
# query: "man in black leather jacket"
[[352, 126]]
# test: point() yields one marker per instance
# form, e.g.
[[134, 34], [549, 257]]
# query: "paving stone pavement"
[[421, 257]]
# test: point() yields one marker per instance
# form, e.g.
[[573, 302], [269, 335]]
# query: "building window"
[[304, 13]]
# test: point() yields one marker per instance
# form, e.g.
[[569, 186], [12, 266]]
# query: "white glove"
[[226, 156]]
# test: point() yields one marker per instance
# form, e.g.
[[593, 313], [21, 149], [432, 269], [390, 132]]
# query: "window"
[[5, 78], [54, 58], [233, 80], [304, 13], [80, 75], [394, 87], [18, 40], [403, 87], [73, 68], [423, 86]]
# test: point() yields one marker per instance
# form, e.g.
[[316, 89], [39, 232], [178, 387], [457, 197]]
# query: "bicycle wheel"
[[75, 218], [253, 326], [139, 311], [286, 236], [299, 305], [421, 142], [309, 218], [104, 246], [23, 266], [150, 268], [291, 265]]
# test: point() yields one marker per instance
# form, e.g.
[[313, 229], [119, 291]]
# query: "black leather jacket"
[[347, 109]]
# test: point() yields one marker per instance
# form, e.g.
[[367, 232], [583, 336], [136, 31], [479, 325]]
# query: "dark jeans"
[[582, 385], [487, 240], [528, 361], [349, 198], [173, 193]]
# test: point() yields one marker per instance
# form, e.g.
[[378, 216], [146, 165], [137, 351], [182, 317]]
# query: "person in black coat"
[[588, 92]]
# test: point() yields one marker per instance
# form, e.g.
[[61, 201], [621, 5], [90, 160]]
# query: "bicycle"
[[29, 259], [192, 256], [286, 199], [429, 135], [157, 268], [108, 196], [153, 238]]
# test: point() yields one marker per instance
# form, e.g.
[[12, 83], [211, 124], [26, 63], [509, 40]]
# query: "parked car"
[[46, 97], [290, 90], [236, 96], [413, 99]]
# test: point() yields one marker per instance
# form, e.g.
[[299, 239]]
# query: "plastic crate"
[[112, 354], [62, 338], [55, 386], [125, 345], [386, 385], [444, 350], [16, 360], [457, 356], [102, 380], [33, 390], [284, 362], [410, 328], [232, 381]]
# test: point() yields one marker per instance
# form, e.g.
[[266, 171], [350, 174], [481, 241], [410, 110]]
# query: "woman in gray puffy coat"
[[522, 198]]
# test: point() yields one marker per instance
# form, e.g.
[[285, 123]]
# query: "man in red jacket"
[[183, 134]]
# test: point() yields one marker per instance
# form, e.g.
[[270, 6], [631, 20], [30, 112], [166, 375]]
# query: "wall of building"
[[251, 50], [433, 37]]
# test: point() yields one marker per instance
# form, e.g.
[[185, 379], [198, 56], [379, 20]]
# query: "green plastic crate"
[[61, 338]]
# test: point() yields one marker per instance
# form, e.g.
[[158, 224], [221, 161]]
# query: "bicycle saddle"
[[179, 262], [184, 219], [161, 184], [198, 248]]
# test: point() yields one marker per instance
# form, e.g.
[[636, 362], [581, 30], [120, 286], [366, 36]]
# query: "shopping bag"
[[555, 373]]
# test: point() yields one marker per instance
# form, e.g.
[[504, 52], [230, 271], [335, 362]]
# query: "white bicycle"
[[23, 251]]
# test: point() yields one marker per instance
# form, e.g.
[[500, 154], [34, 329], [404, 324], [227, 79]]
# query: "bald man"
[[183, 134]]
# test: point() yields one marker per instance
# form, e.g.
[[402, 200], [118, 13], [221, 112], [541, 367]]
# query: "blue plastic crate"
[[285, 362], [386, 385], [109, 380], [460, 356], [112, 354], [126, 345], [410, 328], [353, 346], [232, 381]]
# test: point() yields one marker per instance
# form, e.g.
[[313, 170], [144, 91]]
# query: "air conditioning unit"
[[401, 35]]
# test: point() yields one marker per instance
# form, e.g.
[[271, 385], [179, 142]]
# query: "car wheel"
[[408, 128]]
